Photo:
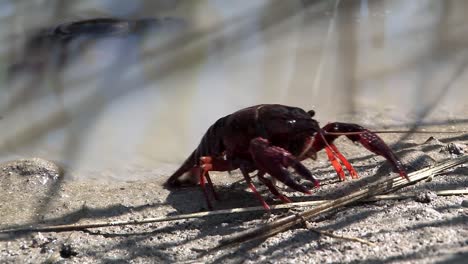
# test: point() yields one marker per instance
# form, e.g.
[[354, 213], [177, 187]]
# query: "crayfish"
[[269, 138]]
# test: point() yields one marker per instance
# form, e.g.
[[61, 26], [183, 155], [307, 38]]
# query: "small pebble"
[[67, 251], [425, 197], [455, 148], [23, 246], [464, 203]]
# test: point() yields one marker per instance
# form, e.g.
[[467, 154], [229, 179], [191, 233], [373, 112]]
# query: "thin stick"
[[393, 132], [355, 239], [75, 227], [309, 226], [413, 195], [418, 131], [72, 227], [390, 185]]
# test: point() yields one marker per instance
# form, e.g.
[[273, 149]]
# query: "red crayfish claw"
[[356, 133]]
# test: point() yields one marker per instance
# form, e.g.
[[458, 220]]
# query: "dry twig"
[[308, 225]]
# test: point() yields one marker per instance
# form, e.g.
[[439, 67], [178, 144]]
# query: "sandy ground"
[[428, 229]]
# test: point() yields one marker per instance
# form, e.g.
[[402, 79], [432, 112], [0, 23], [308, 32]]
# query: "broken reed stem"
[[287, 222], [354, 239], [323, 203], [309, 226]]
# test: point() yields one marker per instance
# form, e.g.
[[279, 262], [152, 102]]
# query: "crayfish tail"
[[186, 175]]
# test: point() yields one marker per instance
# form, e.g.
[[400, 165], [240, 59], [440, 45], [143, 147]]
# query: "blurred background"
[[134, 104]]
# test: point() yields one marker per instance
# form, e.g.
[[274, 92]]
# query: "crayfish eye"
[[291, 122], [311, 113]]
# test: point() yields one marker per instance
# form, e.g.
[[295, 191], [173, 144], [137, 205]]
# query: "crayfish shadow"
[[191, 199], [333, 188], [412, 159]]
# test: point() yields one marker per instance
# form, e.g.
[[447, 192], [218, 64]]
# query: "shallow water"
[[134, 107]]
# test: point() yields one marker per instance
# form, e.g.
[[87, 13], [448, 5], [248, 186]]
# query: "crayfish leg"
[[208, 163], [210, 183], [252, 187], [207, 166], [272, 188], [205, 169]]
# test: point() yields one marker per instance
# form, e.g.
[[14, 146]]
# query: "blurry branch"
[[436, 99], [367, 195], [56, 39], [239, 28], [440, 36], [50, 47], [347, 54], [454, 47], [177, 54], [36, 129]]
